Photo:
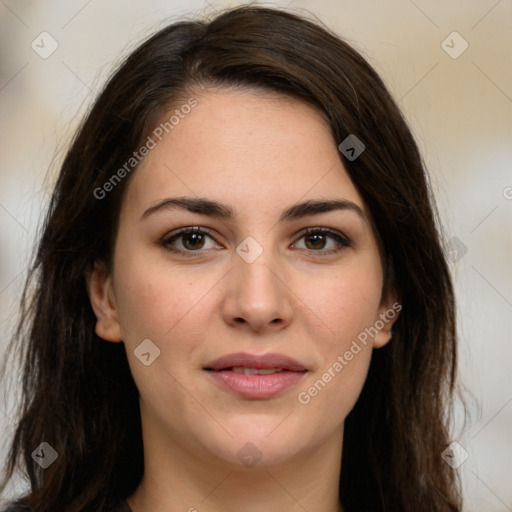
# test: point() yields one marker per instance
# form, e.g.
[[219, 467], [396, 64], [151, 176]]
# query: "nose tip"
[[256, 296]]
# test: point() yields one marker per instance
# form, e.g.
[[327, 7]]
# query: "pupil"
[[193, 236], [317, 239]]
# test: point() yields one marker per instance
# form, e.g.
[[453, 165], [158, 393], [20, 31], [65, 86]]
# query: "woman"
[[241, 298]]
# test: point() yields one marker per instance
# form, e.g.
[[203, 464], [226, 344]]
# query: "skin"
[[259, 153]]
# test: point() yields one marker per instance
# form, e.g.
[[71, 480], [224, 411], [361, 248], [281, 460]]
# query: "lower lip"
[[256, 386]]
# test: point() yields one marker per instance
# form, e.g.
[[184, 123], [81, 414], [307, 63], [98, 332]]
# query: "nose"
[[257, 296]]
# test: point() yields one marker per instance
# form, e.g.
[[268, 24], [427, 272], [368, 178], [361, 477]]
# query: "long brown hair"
[[78, 393]]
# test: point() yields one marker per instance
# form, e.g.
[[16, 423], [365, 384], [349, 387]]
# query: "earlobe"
[[388, 314], [383, 337], [101, 295]]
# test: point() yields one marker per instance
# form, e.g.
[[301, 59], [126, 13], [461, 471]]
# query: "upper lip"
[[245, 360]]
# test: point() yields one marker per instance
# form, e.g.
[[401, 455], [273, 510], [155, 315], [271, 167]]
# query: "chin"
[[257, 443]]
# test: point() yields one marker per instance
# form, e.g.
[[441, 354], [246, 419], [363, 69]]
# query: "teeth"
[[255, 371], [268, 371]]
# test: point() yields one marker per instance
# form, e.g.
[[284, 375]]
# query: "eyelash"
[[342, 241]]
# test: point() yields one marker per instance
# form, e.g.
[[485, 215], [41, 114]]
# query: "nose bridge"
[[257, 291], [258, 279]]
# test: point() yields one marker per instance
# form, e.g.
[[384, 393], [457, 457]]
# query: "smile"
[[255, 377]]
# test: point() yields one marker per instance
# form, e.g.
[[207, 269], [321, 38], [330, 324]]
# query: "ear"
[[101, 295], [388, 313]]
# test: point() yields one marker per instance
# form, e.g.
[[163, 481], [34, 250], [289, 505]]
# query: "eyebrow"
[[215, 209]]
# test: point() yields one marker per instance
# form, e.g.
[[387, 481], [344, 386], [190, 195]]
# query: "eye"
[[190, 239], [316, 240]]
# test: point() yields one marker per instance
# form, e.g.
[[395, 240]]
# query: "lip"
[[255, 386], [271, 360]]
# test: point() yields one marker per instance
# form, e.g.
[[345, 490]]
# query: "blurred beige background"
[[458, 101]]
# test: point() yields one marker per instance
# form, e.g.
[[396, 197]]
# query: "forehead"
[[243, 147]]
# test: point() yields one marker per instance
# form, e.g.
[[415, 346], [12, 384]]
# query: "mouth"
[[253, 371], [255, 377]]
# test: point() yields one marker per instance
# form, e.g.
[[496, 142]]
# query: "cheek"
[[339, 377], [153, 306], [347, 302], [173, 308], [152, 296], [348, 306]]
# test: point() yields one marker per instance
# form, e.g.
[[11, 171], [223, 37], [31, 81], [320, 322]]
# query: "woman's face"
[[248, 281]]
